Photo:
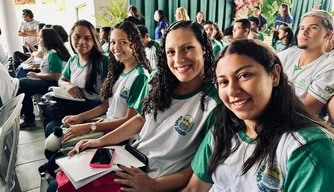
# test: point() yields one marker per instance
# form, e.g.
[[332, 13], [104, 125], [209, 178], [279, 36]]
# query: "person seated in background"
[[36, 55], [64, 37], [151, 47], [217, 34], [133, 15], [262, 20], [216, 45], [104, 34], [181, 14], [162, 24], [51, 67], [255, 33], [264, 138], [200, 18], [309, 68], [241, 29], [285, 38], [228, 35]]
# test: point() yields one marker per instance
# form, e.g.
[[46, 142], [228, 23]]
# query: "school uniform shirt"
[[152, 53], [7, 85], [126, 92], [52, 63], [32, 25], [106, 47], [295, 167], [279, 46], [331, 53], [171, 142], [77, 75], [316, 78], [216, 46]]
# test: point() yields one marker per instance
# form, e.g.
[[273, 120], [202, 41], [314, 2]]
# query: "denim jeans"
[[32, 86]]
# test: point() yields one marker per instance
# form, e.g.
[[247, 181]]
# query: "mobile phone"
[[102, 158]]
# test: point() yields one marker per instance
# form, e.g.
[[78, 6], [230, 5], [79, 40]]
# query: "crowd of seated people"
[[213, 110]]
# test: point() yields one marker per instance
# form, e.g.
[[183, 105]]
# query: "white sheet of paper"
[[77, 167]]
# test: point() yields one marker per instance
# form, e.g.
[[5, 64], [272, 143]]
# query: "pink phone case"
[[102, 165]]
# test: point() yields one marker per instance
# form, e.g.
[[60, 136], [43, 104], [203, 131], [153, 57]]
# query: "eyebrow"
[[119, 39], [313, 24], [238, 70]]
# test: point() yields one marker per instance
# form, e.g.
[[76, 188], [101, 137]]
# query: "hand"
[[34, 66], [72, 120], [26, 43], [75, 131], [136, 179], [32, 74], [74, 91], [83, 144]]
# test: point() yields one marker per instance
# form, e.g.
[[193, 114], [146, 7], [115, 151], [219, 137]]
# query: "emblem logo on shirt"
[[301, 83], [329, 89], [270, 178], [124, 93], [184, 124]]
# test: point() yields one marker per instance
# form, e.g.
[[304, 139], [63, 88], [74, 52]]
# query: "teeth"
[[183, 68], [240, 102]]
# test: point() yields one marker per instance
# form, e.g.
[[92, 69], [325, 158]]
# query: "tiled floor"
[[30, 156]]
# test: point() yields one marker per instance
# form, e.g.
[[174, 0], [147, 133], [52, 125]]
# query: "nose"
[[233, 88], [179, 57]]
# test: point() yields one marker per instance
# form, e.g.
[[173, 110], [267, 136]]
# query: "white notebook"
[[61, 93], [80, 173]]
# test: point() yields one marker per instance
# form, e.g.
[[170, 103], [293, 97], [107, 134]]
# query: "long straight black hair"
[[52, 40], [284, 113], [94, 66]]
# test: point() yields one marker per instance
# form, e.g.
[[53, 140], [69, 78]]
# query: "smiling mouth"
[[240, 102], [183, 68]]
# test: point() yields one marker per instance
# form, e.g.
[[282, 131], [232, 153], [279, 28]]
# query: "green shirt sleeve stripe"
[[67, 71], [135, 90], [55, 63], [310, 167], [200, 162]]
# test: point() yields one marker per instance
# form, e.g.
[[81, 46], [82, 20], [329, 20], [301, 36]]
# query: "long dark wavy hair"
[[94, 67], [53, 41], [116, 67], [61, 32], [164, 81], [284, 113]]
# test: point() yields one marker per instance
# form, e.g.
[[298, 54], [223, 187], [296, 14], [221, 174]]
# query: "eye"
[[88, 38], [244, 75], [188, 48], [76, 37], [222, 82], [123, 42], [314, 27], [112, 42], [170, 52]]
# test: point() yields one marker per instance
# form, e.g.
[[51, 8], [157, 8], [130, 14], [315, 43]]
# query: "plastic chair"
[[10, 128]]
